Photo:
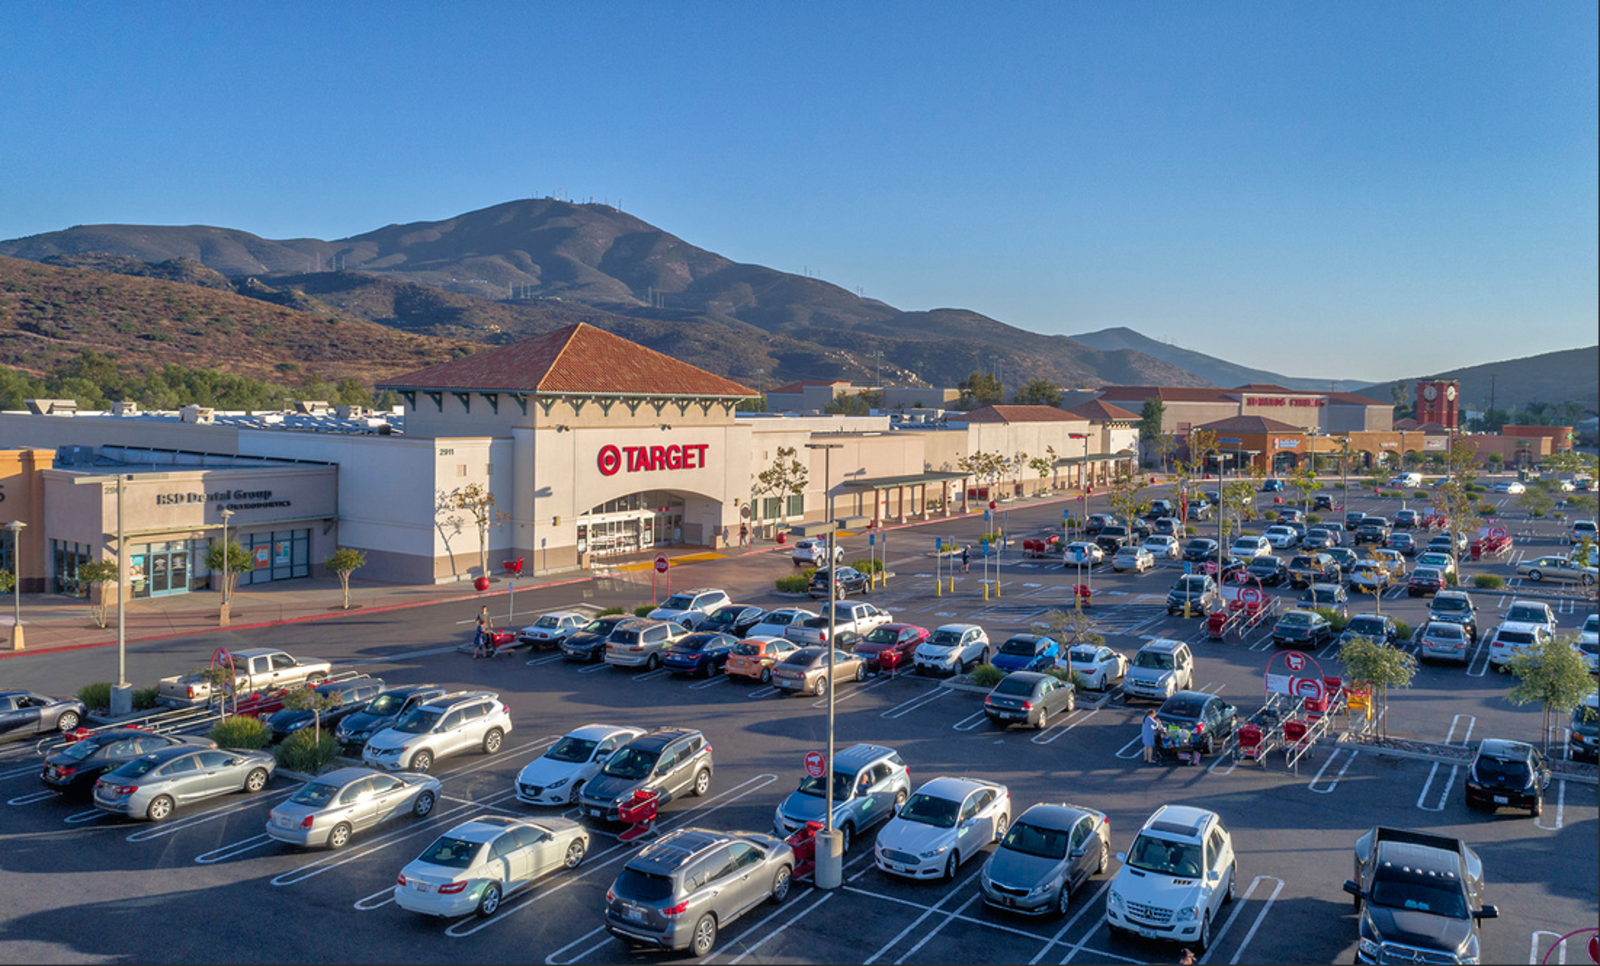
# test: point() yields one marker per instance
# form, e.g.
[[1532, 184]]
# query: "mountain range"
[[526, 267]]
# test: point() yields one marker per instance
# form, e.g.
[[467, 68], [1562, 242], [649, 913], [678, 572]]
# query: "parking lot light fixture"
[[122, 694], [18, 642]]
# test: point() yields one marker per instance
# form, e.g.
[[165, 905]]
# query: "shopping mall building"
[[590, 446]]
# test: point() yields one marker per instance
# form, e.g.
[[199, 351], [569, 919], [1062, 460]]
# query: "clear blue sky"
[[1337, 189]]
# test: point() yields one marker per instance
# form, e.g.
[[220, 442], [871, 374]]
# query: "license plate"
[[1009, 714], [1148, 933], [283, 821], [596, 813], [1010, 901], [633, 913], [54, 772], [421, 886], [1500, 800]]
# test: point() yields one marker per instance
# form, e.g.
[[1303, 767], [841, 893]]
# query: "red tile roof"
[[1138, 394], [1017, 414], [1099, 409], [577, 359], [1251, 424], [1267, 387], [1352, 399]]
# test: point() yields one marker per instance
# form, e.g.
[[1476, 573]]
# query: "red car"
[[900, 639], [1425, 580]]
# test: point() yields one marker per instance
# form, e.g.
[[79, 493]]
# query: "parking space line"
[[928, 911], [78, 818], [935, 930], [906, 707], [30, 799], [366, 903], [659, 672], [1540, 935], [1055, 731], [765, 692], [582, 955], [19, 772], [1561, 803], [1444, 796], [172, 828], [1238, 908], [709, 683], [547, 659], [236, 848], [839, 698], [1481, 648], [970, 722], [986, 924], [1340, 774], [1132, 749], [597, 666], [493, 808], [467, 927], [1085, 907], [1232, 760]]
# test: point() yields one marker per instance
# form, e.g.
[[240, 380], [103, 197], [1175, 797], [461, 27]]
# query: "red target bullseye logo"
[[610, 460]]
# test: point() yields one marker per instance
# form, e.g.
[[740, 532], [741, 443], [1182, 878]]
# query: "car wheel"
[[1535, 575], [575, 853], [652, 662], [821, 687], [951, 865], [340, 836], [1538, 806], [1000, 825], [422, 761], [572, 796], [256, 780], [1105, 858], [781, 880], [490, 900], [705, 936], [766, 675], [900, 799], [315, 681], [159, 808], [492, 740], [861, 671], [702, 783], [423, 806], [847, 832], [68, 721], [1064, 900], [1204, 941]]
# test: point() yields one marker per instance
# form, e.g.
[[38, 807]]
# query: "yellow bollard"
[[985, 590]]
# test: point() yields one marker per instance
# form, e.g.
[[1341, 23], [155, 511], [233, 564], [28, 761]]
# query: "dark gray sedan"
[[24, 714], [330, 808], [1030, 698], [1049, 851], [152, 785]]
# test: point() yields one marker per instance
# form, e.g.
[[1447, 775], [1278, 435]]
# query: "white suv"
[[814, 553], [953, 648], [445, 726], [1512, 637], [1175, 878], [688, 608]]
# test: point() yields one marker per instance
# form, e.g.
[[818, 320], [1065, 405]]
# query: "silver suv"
[[952, 649], [678, 892], [445, 726], [1160, 669], [672, 762], [643, 644], [870, 783]]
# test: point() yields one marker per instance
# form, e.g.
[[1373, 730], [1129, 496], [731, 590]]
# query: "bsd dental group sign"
[[650, 459]]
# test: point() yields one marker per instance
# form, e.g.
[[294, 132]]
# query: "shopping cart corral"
[[1302, 707]]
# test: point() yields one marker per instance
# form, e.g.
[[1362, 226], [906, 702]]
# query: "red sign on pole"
[[662, 563], [816, 764], [1294, 661]]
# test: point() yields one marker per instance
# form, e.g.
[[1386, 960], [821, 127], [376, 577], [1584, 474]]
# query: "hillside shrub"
[[1488, 581], [792, 583], [304, 753], [238, 731], [96, 696], [986, 675]]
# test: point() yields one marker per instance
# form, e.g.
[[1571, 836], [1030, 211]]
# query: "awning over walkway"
[[916, 479]]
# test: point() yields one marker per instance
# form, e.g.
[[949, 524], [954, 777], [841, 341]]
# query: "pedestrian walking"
[[1147, 735], [966, 559], [1186, 957], [744, 534], [481, 638]]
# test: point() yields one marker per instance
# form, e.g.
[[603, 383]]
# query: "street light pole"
[[227, 598], [827, 481], [122, 694], [18, 642]]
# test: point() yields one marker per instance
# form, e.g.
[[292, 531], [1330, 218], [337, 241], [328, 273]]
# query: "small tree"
[[478, 501], [986, 468], [980, 389], [1038, 392], [222, 682], [1044, 465], [1553, 675], [786, 477], [1304, 481], [1072, 628], [98, 574], [8, 581], [1166, 444], [345, 562], [1379, 667], [1150, 419], [314, 701], [1537, 500], [238, 561]]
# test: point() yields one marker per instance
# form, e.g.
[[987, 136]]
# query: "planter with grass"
[[304, 752], [238, 731]]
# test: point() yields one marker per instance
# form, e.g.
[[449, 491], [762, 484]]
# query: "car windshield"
[[631, 763], [1159, 660], [928, 810], [1183, 706], [1047, 843], [418, 721], [1417, 893], [1592, 624], [882, 635], [678, 602], [1317, 532], [804, 657], [1502, 767], [135, 768], [1194, 584], [1449, 605], [1264, 563], [386, 704], [1527, 614], [601, 626], [1015, 685], [779, 619], [747, 650], [452, 853], [817, 789], [1587, 714], [691, 644], [1449, 632], [946, 638], [1198, 545], [547, 620], [572, 750], [1165, 857], [1015, 646], [1085, 655], [1295, 619], [1433, 559], [82, 750], [643, 886], [1426, 573], [1365, 625], [315, 794], [1512, 637]]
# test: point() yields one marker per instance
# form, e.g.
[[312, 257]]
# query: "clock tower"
[[1438, 401]]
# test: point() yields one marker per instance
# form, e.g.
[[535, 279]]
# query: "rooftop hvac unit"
[[199, 415], [126, 407], [51, 407], [311, 407], [350, 412]]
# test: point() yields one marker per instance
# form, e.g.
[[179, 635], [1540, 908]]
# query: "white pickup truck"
[[848, 616], [258, 668]]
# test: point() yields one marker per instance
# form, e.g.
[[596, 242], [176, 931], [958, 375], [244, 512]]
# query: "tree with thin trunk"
[[786, 477], [99, 575], [314, 701], [1124, 496], [1379, 667], [1553, 675], [345, 562], [478, 500], [238, 562], [1071, 629]]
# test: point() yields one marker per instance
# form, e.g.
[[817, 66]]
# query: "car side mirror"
[[1487, 912], [1077, 853], [1213, 876], [1353, 889], [1122, 857]]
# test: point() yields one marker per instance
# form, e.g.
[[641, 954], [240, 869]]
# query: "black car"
[[1196, 591], [1374, 627], [344, 697], [1419, 898], [589, 644], [355, 728], [1322, 501], [1207, 717], [1512, 774], [735, 619], [1159, 509], [1455, 607], [1271, 571], [1112, 537], [1029, 698], [1306, 569], [851, 581], [1199, 550], [74, 770], [1372, 529], [1302, 630], [1098, 522], [703, 652]]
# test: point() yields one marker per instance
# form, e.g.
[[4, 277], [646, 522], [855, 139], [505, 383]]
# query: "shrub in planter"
[[868, 566], [144, 699], [1488, 581], [238, 731], [1536, 513], [1402, 630], [303, 752], [993, 538], [96, 696], [1079, 683], [1334, 619], [793, 583], [1338, 486], [1451, 580], [1270, 515], [643, 610], [1486, 510], [1419, 494], [986, 675], [1313, 518], [611, 610]]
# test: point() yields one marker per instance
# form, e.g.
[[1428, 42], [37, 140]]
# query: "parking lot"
[[207, 885]]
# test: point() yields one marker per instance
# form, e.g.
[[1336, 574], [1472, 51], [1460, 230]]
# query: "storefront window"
[[159, 569], [66, 558], [8, 552], [278, 555], [632, 523]]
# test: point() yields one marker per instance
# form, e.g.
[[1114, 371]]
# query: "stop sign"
[[816, 764], [661, 563], [993, 505]]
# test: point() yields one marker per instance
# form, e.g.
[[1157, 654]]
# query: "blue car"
[[700, 653], [1271, 485], [1027, 652]]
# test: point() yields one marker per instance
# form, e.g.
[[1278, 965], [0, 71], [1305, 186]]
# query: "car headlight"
[[1045, 888], [1370, 948], [557, 784], [297, 725], [1116, 899], [934, 852], [1188, 914]]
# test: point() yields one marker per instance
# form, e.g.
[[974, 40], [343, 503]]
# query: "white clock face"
[[1450, 393], [1430, 393]]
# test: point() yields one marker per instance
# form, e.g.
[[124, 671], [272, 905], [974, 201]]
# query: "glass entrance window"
[[278, 555], [633, 523], [158, 569]]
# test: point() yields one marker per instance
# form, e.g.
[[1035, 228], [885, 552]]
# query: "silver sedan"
[[152, 785], [330, 808]]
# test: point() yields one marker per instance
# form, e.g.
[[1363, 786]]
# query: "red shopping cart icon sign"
[[816, 765], [1295, 661]]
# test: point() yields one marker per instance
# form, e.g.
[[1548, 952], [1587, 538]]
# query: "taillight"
[[306, 822], [1200, 727], [191, 690], [401, 880], [611, 895], [452, 888], [66, 770], [127, 789], [1027, 705], [673, 912], [505, 709], [988, 700]]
